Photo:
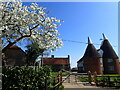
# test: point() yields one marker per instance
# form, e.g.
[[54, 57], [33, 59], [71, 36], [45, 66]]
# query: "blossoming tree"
[[19, 22]]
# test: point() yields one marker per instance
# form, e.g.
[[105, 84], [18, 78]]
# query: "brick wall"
[[92, 64], [112, 67]]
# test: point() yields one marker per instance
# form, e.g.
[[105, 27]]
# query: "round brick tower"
[[91, 59], [110, 59]]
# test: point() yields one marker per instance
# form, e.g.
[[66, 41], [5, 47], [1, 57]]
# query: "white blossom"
[[17, 20], [58, 21]]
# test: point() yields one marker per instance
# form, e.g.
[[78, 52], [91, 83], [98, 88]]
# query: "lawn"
[[114, 79], [85, 78], [55, 74]]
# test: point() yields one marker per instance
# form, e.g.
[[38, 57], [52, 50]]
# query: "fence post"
[[75, 78], [69, 79], [60, 74], [95, 77], [89, 77]]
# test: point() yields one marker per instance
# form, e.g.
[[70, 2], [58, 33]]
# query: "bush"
[[24, 77]]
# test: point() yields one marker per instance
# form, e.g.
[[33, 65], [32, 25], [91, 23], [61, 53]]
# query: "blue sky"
[[83, 19]]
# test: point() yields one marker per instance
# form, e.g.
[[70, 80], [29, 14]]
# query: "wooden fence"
[[99, 80], [104, 80], [56, 81]]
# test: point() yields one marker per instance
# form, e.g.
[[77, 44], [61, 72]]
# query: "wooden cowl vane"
[[110, 58], [92, 58]]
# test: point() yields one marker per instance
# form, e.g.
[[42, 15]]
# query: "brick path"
[[77, 85]]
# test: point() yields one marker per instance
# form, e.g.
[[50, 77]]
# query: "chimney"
[[52, 56], [68, 61], [68, 56]]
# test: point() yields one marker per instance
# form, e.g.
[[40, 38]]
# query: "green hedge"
[[25, 78]]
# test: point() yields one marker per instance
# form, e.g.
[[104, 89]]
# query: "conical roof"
[[90, 50], [108, 51]]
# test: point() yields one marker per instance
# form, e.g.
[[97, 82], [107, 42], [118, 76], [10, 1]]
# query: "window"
[[110, 60], [111, 68]]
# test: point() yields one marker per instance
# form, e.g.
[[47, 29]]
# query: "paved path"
[[77, 85]]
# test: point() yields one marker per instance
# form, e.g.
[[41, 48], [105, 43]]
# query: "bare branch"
[[19, 30]]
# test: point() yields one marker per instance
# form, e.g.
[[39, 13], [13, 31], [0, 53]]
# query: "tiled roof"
[[108, 51], [91, 51], [15, 47], [51, 61]]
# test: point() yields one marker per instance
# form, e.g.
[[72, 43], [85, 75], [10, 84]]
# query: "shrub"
[[24, 77]]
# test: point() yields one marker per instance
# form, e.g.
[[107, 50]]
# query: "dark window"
[[111, 68], [110, 60]]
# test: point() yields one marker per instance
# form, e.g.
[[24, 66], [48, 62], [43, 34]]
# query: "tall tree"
[[19, 22]]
